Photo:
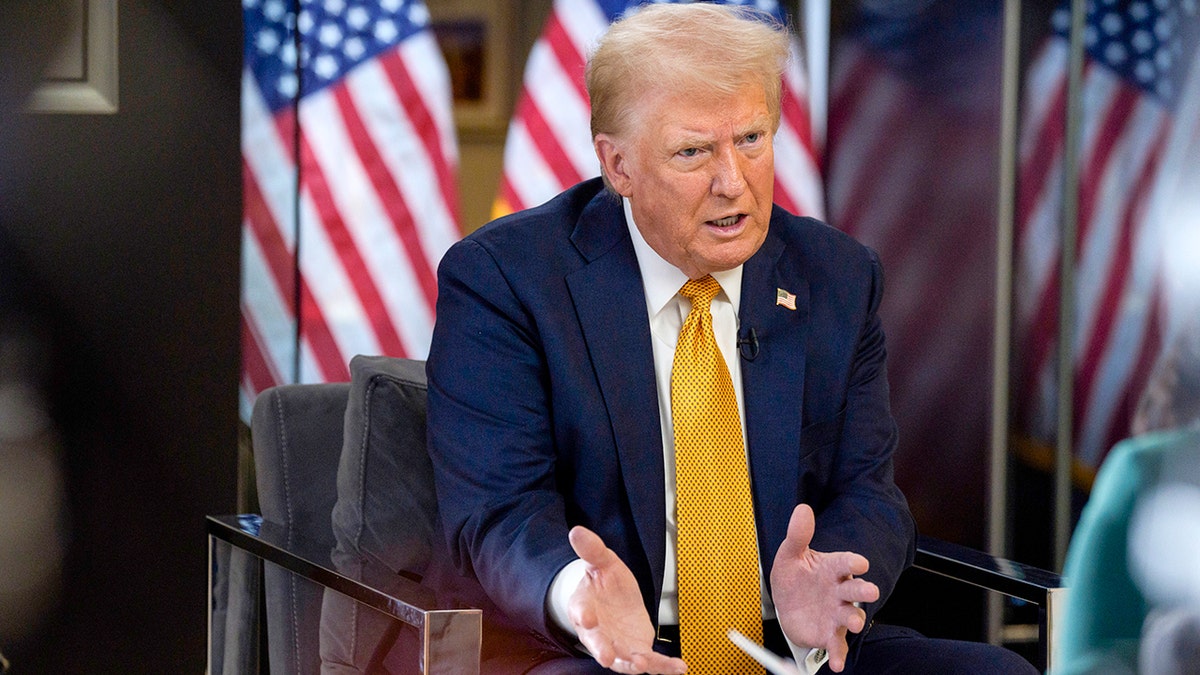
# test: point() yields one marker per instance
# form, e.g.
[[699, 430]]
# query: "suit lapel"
[[610, 303], [773, 383]]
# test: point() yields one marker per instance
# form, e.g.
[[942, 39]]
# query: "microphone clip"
[[748, 345]]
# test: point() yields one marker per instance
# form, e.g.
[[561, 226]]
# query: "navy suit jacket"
[[543, 410]]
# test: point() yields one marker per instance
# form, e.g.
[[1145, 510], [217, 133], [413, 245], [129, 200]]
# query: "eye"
[[689, 152], [753, 137]]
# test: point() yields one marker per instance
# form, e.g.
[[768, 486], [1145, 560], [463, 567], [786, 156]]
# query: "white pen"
[[768, 660]]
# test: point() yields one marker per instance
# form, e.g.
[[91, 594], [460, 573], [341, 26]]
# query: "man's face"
[[699, 173]]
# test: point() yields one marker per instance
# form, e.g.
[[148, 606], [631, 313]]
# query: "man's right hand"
[[607, 612]]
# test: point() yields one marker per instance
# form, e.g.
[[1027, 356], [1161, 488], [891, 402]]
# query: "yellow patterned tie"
[[717, 553]]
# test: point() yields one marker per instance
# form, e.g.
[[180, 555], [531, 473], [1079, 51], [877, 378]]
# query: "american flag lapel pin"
[[786, 299]]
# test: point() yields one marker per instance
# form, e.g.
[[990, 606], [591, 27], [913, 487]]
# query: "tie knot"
[[701, 291]]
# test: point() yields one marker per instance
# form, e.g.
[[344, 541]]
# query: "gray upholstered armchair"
[[346, 492], [327, 578]]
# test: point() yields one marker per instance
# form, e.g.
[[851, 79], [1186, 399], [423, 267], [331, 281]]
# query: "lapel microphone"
[[747, 344]]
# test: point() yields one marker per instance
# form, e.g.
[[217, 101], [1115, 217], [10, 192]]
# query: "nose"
[[728, 177]]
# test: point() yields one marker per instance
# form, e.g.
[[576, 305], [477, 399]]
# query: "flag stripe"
[[1097, 155], [255, 366], [341, 241], [525, 169], [565, 54], [267, 233], [1042, 160], [871, 174], [268, 308], [1117, 284], [1127, 184], [412, 172], [567, 119], [869, 101], [414, 136], [797, 172], [393, 204], [331, 366], [354, 246], [548, 147], [430, 127], [276, 253]]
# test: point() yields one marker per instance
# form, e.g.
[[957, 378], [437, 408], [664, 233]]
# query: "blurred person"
[[1171, 641], [32, 492], [1133, 565]]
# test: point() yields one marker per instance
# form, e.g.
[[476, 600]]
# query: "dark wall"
[[126, 230]]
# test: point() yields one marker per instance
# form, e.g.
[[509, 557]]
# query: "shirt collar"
[[662, 280]]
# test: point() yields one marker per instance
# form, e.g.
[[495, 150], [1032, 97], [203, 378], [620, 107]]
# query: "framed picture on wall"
[[475, 38], [82, 76]]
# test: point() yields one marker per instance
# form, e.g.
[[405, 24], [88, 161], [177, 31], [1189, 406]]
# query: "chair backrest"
[[296, 431], [383, 521], [297, 434]]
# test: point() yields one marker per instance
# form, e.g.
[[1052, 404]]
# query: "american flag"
[[912, 146], [349, 161], [549, 143], [785, 298], [1138, 53]]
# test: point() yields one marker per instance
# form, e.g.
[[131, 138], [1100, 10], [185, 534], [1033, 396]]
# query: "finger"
[[857, 590], [589, 546], [849, 564], [837, 650], [660, 664], [852, 618], [800, 528]]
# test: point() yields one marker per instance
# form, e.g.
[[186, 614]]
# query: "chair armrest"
[[451, 635], [1018, 580]]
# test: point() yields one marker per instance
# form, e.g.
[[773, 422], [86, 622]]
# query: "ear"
[[613, 163]]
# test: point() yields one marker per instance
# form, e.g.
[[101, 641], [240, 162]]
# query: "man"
[[561, 445]]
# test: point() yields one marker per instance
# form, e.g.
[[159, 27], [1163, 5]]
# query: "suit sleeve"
[[861, 509], [491, 438]]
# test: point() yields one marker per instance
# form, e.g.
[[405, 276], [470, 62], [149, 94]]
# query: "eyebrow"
[[690, 138]]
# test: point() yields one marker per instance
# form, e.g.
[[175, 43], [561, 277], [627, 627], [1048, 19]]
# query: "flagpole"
[[1066, 314], [1002, 336], [297, 273], [816, 47]]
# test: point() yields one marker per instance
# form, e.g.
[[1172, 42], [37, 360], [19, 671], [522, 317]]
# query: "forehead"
[[682, 114]]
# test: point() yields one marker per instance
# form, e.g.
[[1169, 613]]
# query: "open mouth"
[[729, 221]]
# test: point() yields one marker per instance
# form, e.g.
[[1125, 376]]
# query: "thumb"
[[588, 546], [800, 528]]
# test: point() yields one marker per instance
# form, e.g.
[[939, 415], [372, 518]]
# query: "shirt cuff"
[[561, 589], [808, 660]]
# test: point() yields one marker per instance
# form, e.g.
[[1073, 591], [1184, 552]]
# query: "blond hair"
[[680, 48]]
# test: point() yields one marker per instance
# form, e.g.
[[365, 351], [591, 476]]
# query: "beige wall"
[[480, 163], [481, 127]]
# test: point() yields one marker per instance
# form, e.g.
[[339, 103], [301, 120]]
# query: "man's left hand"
[[814, 592]]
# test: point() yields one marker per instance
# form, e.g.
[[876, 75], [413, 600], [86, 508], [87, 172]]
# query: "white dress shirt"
[[667, 309]]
